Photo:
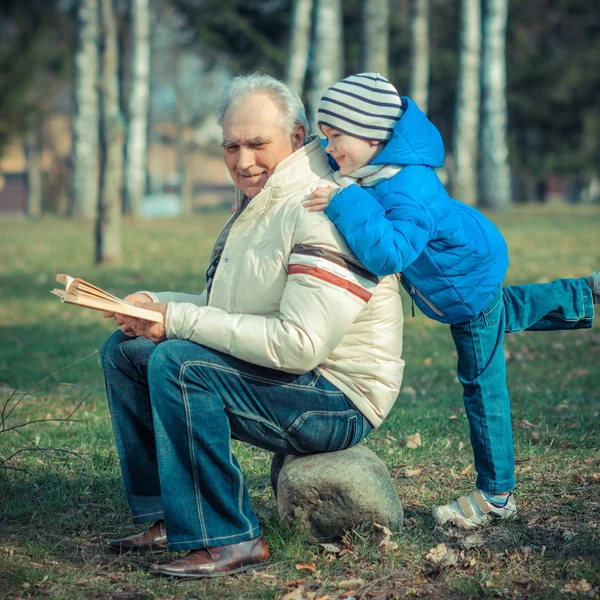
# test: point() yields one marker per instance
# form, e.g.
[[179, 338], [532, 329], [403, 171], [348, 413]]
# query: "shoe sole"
[[208, 575], [457, 522]]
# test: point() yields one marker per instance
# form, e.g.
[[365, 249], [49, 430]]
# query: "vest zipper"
[[412, 298], [435, 309]]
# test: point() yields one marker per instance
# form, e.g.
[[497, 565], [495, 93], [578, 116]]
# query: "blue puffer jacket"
[[451, 257]]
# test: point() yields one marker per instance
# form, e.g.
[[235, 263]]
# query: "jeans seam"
[[156, 512], [232, 371], [481, 416], [223, 537], [197, 493]]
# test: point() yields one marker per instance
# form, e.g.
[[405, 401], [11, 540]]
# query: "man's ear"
[[298, 136]]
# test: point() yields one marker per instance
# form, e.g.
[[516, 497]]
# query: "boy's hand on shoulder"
[[320, 198]]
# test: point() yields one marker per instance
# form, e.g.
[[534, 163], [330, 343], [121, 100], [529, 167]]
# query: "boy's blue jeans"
[[175, 407], [562, 304]]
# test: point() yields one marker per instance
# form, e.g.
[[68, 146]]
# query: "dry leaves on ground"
[[413, 441], [413, 472], [575, 586]]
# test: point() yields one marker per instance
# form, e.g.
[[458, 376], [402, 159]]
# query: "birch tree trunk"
[[136, 150], [299, 47], [466, 116], [375, 36], [419, 53], [327, 61], [108, 219], [183, 120], [84, 183], [494, 173], [33, 154]]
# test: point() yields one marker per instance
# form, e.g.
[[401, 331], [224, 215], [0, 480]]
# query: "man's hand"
[[136, 299], [142, 328], [320, 198]]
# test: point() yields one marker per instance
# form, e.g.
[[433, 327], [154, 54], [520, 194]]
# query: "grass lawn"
[[54, 516]]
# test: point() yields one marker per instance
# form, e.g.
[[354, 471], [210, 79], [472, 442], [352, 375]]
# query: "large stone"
[[325, 494]]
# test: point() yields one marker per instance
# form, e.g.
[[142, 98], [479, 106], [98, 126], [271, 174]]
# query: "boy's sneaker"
[[474, 510], [594, 283]]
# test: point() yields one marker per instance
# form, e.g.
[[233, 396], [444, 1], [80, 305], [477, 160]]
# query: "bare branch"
[[44, 450], [37, 389]]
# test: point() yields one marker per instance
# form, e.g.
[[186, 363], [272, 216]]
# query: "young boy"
[[398, 218]]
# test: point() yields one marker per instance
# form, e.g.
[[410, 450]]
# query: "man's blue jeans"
[[175, 407], [562, 304]]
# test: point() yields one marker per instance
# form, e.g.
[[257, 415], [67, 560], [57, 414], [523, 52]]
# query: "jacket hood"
[[415, 140]]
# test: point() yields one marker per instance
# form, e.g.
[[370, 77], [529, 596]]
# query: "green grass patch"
[[56, 511]]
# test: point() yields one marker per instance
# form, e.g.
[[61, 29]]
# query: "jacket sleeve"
[[197, 300], [386, 235], [323, 295]]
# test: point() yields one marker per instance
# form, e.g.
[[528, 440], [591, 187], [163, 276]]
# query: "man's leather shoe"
[[151, 540], [220, 560]]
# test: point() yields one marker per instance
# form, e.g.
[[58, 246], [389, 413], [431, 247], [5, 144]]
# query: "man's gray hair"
[[292, 110]]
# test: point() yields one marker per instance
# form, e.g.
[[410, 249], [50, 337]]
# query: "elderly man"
[[293, 347]]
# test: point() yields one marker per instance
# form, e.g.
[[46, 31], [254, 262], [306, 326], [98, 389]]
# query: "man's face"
[[254, 143]]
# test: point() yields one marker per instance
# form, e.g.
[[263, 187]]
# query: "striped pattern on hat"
[[366, 105]]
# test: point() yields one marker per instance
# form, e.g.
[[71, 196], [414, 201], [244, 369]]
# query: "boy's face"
[[349, 152]]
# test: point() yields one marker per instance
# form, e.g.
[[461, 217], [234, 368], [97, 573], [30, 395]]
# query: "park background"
[[110, 170]]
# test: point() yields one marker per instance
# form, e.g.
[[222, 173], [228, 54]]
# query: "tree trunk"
[[375, 36], [108, 220], [136, 159], [494, 173], [84, 188], [327, 64], [466, 116], [419, 53], [297, 62], [183, 171], [33, 153]]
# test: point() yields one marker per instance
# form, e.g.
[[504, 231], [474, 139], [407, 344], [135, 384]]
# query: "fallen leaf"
[[306, 566], [596, 476], [472, 540], [350, 583], [386, 531], [532, 521], [387, 545], [470, 562], [441, 555], [330, 548], [324, 597], [294, 582], [413, 441], [297, 594], [453, 417], [527, 424], [413, 472], [575, 586], [466, 469], [427, 361]]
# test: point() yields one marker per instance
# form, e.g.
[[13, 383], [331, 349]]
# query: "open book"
[[80, 292]]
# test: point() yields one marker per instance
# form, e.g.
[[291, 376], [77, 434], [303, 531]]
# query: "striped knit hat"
[[366, 105]]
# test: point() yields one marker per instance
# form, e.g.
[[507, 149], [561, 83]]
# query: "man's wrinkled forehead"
[[251, 118]]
